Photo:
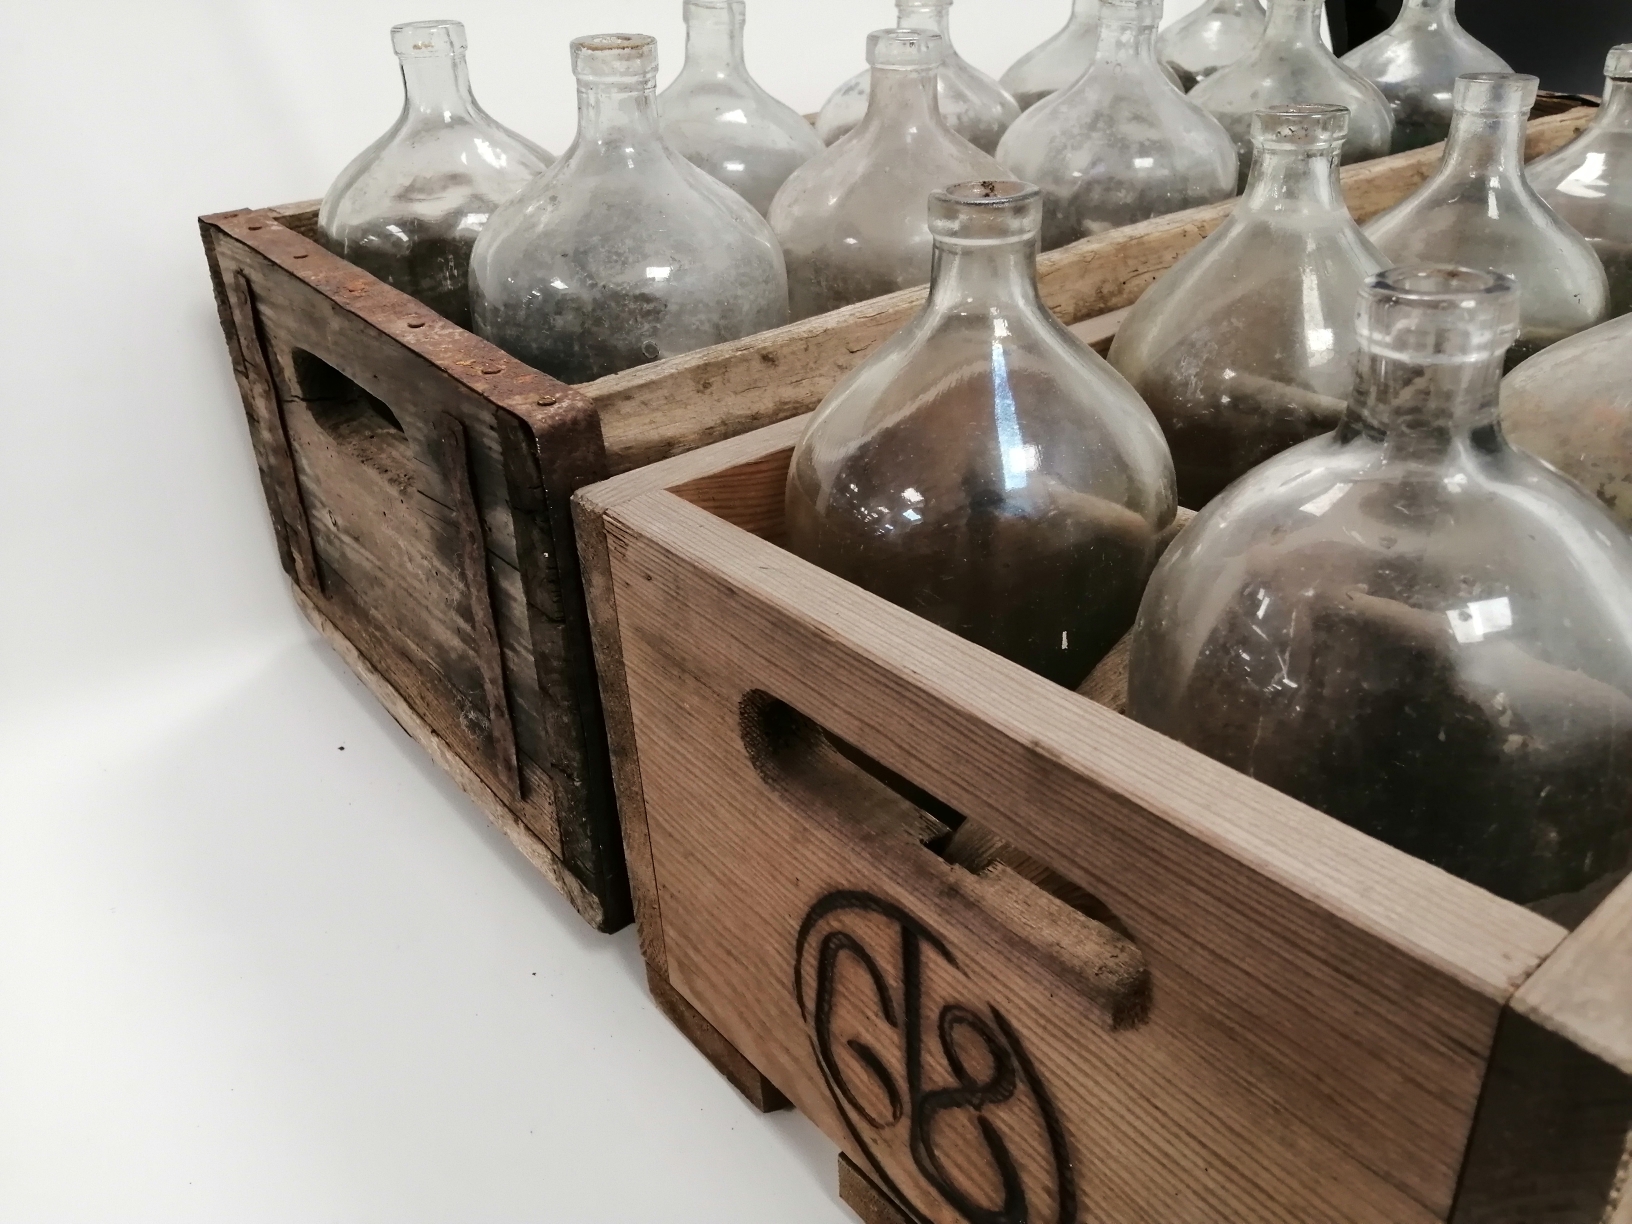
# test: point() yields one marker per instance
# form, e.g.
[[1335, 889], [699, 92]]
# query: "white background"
[[258, 959]]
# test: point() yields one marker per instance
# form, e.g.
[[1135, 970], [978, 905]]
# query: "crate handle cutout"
[[1074, 934]]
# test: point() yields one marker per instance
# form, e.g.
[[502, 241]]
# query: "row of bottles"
[[1404, 620], [672, 264]]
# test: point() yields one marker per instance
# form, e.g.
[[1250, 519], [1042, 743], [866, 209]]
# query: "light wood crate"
[[1270, 1016], [418, 481]]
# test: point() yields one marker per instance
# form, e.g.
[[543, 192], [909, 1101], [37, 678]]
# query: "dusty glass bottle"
[[851, 220], [1478, 210], [1415, 62], [1246, 346], [409, 207], [1589, 181], [1056, 61], [624, 252], [1572, 406], [1123, 143], [976, 107], [984, 468], [1210, 37], [716, 116], [1411, 624], [1290, 64]]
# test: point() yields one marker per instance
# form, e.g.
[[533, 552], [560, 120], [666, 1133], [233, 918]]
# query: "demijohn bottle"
[[1246, 345], [1415, 62], [1209, 37], [983, 467], [1411, 624], [717, 116], [1291, 63], [1478, 210], [1572, 406], [976, 107], [1589, 181], [1123, 143], [851, 220], [624, 252], [409, 207]]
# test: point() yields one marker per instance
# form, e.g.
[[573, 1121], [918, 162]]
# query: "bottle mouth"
[[1438, 314], [921, 6], [905, 49], [1618, 64], [1495, 93], [428, 39], [985, 211], [1302, 125], [715, 8], [627, 58], [1138, 13]]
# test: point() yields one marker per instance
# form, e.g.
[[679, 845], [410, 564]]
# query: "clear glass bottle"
[[1290, 64], [1589, 181], [1415, 62], [1060, 59], [716, 116], [1123, 143], [624, 252], [984, 468], [851, 220], [1572, 406], [1411, 624], [409, 207], [1246, 346], [977, 107], [1479, 211], [1209, 37]]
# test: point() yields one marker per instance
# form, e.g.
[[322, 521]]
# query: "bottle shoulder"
[[1117, 113], [875, 166]]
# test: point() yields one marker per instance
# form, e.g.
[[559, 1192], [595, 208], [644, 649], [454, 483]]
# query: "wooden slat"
[[1324, 1005]]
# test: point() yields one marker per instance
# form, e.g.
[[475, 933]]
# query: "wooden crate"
[[1247, 1012], [418, 480]]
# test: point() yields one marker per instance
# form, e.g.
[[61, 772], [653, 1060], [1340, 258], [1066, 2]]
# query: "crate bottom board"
[[442, 754]]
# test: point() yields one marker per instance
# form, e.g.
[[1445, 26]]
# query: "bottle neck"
[[437, 87], [1422, 411], [1615, 115], [617, 113], [993, 279], [1489, 146], [1294, 180], [932, 18], [1125, 41], [1084, 13], [1293, 22], [904, 98], [1426, 14], [714, 41]]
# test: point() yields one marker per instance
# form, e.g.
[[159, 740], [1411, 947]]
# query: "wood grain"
[[1344, 1026]]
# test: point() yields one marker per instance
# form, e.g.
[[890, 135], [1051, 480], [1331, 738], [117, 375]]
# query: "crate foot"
[[744, 1076], [861, 1194]]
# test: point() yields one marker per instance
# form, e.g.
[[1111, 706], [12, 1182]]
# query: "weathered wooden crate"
[[1223, 1006], [418, 480]]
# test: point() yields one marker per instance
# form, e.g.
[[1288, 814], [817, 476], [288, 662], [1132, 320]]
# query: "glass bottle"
[[1589, 181], [409, 207], [1411, 624], [1210, 37], [716, 115], [1415, 62], [984, 468], [977, 107], [1572, 406], [1059, 60], [1290, 63], [1246, 346], [1123, 143], [624, 252], [851, 220], [1479, 211]]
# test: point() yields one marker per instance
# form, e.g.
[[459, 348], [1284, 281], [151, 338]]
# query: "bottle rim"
[[1300, 125], [614, 57], [1495, 93], [906, 49], [984, 212], [428, 39], [1618, 63], [1438, 314]]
